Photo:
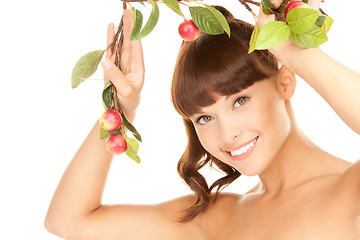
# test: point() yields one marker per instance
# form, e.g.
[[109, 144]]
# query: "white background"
[[44, 121]]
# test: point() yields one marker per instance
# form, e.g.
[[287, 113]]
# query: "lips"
[[244, 149]]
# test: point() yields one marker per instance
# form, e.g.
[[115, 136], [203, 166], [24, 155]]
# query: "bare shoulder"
[[350, 180], [217, 215], [218, 206], [352, 174], [223, 201]]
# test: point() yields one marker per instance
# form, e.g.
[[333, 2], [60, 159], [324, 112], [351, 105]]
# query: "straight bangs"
[[216, 65]]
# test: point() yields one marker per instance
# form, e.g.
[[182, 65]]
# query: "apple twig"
[[116, 47], [245, 3]]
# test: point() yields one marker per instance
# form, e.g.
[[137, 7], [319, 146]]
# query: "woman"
[[240, 118]]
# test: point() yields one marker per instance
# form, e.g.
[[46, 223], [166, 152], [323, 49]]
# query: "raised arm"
[[336, 83], [76, 211]]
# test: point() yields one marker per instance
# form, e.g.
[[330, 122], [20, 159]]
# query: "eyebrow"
[[227, 97], [197, 114]]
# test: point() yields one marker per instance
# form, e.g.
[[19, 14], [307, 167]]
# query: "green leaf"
[[320, 20], [220, 17], [132, 143], [301, 19], [207, 21], [85, 67], [253, 38], [327, 24], [132, 155], [266, 3], [174, 5], [266, 11], [282, 7], [138, 18], [132, 149], [131, 127], [107, 95], [272, 34], [103, 133], [314, 37], [117, 63], [151, 22], [106, 134]]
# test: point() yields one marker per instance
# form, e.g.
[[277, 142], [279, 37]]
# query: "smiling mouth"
[[244, 149]]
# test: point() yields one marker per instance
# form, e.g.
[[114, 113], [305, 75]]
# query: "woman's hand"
[[281, 51], [129, 81], [336, 83]]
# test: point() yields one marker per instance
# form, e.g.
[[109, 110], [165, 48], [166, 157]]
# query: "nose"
[[230, 130]]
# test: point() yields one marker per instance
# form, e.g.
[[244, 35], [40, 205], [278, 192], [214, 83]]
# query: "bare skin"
[[304, 193]]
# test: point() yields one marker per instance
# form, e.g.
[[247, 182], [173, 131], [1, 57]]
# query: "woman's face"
[[247, 129]]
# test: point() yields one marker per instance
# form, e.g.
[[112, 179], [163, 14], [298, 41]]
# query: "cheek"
[[274, 122], [206, 138], [210, 141]]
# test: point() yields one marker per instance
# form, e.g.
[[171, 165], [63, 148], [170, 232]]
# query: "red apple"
[[110, 120], [189, 31], [294, 4], [116, 144]]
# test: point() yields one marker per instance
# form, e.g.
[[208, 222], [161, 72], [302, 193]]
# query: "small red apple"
[[110, 120], [116, 144], [294, 4], [189, 31]]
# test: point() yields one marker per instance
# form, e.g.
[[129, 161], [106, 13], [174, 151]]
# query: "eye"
[[204, 119], [240, 101]]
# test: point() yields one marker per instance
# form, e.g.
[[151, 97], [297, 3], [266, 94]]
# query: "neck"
[[298, 161]]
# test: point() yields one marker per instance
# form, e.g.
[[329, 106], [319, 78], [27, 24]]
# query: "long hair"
[[210, 66]]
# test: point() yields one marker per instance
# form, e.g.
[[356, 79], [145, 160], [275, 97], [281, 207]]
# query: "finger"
[[137, 52], [130, 49], [112, 73], [128, 25], [134, 47], [263, 19], [110, 38], [134, 60], [315, 4], [276, 3]]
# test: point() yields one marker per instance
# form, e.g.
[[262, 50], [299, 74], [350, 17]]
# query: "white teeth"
[[243, 149]]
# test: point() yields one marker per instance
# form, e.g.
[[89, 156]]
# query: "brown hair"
[[210, 66]]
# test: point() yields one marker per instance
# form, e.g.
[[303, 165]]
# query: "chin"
[[251, 170]]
